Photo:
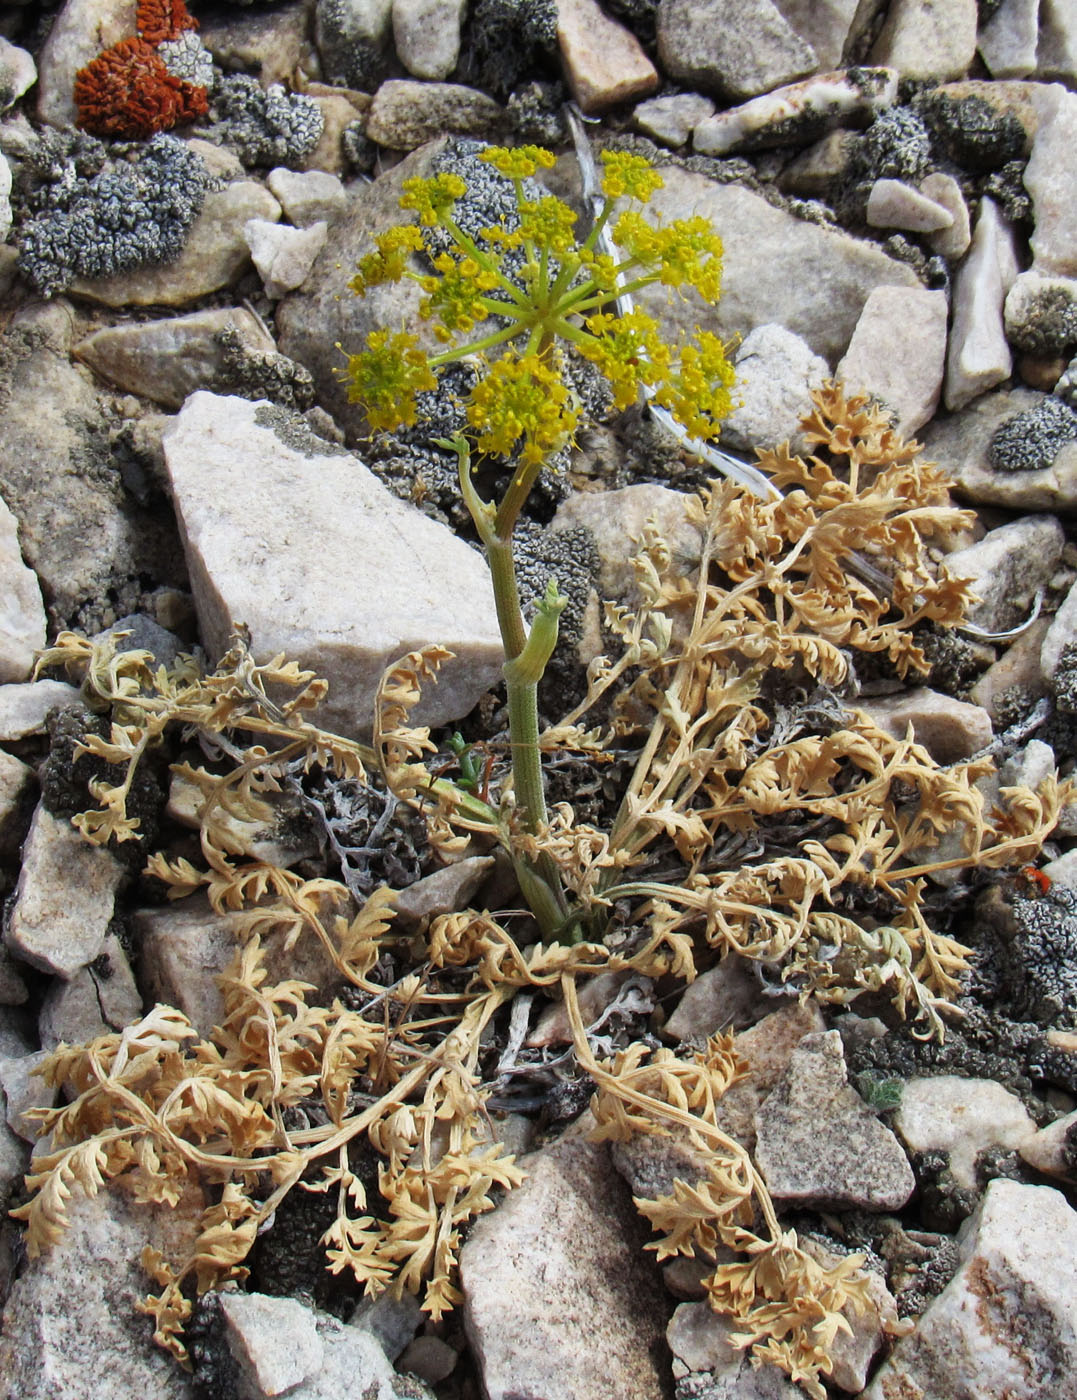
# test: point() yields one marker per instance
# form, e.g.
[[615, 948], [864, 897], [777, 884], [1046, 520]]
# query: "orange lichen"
[[160, 20], [127, 91]]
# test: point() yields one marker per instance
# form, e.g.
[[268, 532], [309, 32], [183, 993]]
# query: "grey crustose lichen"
[[270, 126], [123, 217]]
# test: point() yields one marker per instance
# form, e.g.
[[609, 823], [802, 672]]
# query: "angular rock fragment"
[[559, 1297], [818, 1143], [297, 540], [961, 1117], [64, 899], [1006, 1324]]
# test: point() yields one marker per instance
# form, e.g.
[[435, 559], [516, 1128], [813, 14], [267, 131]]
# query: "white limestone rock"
[[1051, 1150], [297, 539], [953, 241], [894, 204], [735, 49], [274, 1341], [1006, 568], [949, 729], [604, 63], [5, 197], [1006, 1323], [23, 1089], [98, 999], [818, 1142], [307, 196], [22, 613], [824, 24], [283, 255], [1051, 179], [979, 355], [962, 1118], [15, 780], [560, 1298], [672, 119], [793, 114], [776, 372], [811, 279], [898, 353], [214, 256], [24, 707], [1061, 634], [1007, 42], [426, 35], [64, 898], [928, 38], [1056, 53], [344, 27], [168, 359], [698, 1337], [18, 73]]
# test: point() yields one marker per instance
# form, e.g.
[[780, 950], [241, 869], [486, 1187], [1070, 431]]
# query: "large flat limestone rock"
[[295, 538]]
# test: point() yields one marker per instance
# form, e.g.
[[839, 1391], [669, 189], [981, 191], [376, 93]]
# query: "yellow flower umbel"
[[515, 301], [562, 295]]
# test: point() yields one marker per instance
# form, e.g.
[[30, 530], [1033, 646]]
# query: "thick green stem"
[[527, 652]]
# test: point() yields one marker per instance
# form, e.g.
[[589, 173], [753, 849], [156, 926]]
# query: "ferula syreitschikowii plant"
[[517, 302]]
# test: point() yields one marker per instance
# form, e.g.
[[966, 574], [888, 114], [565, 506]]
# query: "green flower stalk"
[[516, 302]]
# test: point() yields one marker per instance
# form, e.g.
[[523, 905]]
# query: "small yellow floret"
[[386, 377], [697, 392], [434, 198], [549, 223], [629, 176], [390, 262], [519, 162], [521, 400]]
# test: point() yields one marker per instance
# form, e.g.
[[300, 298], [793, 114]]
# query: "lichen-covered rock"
[[560, 1299], [79, 530], [798, 113], [961, 1118], [507, 39], [81, 30], [1030, 441], [818, 1143], [214, 255], [267, 126], [1041, 314], [406, 113], [126, 216], [1006, 1324], [352, 38], [296, 539], [962, 440]]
